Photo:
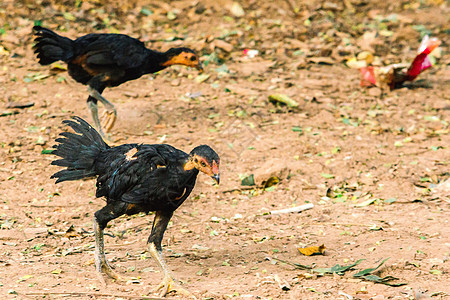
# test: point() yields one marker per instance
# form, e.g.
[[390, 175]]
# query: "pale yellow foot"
[[169, 285], [108, 119], [105, 269]]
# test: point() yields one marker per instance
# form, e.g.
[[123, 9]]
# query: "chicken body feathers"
[[151, 176], [116, 58]]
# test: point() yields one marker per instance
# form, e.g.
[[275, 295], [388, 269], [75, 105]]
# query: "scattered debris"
[[345, 295], [442, 190], [271, 172], [284, 285]]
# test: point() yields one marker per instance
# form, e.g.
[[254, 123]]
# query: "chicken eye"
[[203, 164], [193, 58]]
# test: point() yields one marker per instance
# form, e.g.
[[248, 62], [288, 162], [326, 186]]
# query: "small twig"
[[19, 104], [50, 205], [335, 224], [8, 113], [299, 266], [292, 209], [240, 189], [57, 115], [94, 294], [122, 245]]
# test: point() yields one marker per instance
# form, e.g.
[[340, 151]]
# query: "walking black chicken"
[[101, 60], [133, 178]]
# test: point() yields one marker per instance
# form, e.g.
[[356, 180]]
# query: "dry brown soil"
[[359, 144]]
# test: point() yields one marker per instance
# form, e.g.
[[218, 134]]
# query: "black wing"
[[151, 177], [112, 50]]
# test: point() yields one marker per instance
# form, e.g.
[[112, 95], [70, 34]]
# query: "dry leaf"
[[312, 250]]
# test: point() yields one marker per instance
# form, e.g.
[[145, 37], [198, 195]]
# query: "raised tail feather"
[[78, 151], [51, 47]]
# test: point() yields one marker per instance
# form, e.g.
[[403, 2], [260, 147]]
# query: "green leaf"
[[47, 151], [431, 118], [327, 176], [347, 121], [248, 181], [60, 79], [390, 200], [336, 150], [384, 280], [69, 16], [146, 12], [296, 265], [338, 269], [171, 15], [436, 272], [370, 270], [297, 129], [222, 69], [282, 99], [201, 78], [322, 270], [270, 188]]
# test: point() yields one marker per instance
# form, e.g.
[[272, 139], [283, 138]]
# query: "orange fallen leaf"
[[312, 250]]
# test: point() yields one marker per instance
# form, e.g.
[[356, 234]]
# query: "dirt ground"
[[374, 163]]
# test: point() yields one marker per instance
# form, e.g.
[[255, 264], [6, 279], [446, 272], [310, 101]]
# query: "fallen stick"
[[240, 189], [90, 294], [19, 104], [8, 113], [292, 209]]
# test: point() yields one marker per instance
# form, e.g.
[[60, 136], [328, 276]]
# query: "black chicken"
[[106, 60], [133, 178]]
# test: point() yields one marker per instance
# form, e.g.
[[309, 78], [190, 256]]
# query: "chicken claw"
[[109, 118], [103, 268], [169, 285]]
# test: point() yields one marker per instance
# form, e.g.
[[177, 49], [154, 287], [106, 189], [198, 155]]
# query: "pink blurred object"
[[250, 53], [395, 75], [367, 76]]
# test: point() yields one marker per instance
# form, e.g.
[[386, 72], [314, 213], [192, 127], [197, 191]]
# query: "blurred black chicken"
[[133, 178], [101, 60]]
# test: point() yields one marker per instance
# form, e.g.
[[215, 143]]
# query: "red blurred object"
[[395, 75], [367, 76]]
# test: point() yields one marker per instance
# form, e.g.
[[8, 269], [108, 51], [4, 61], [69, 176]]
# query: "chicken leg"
[[101, 219], [168, 283], [110, 114], [101, 264]]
